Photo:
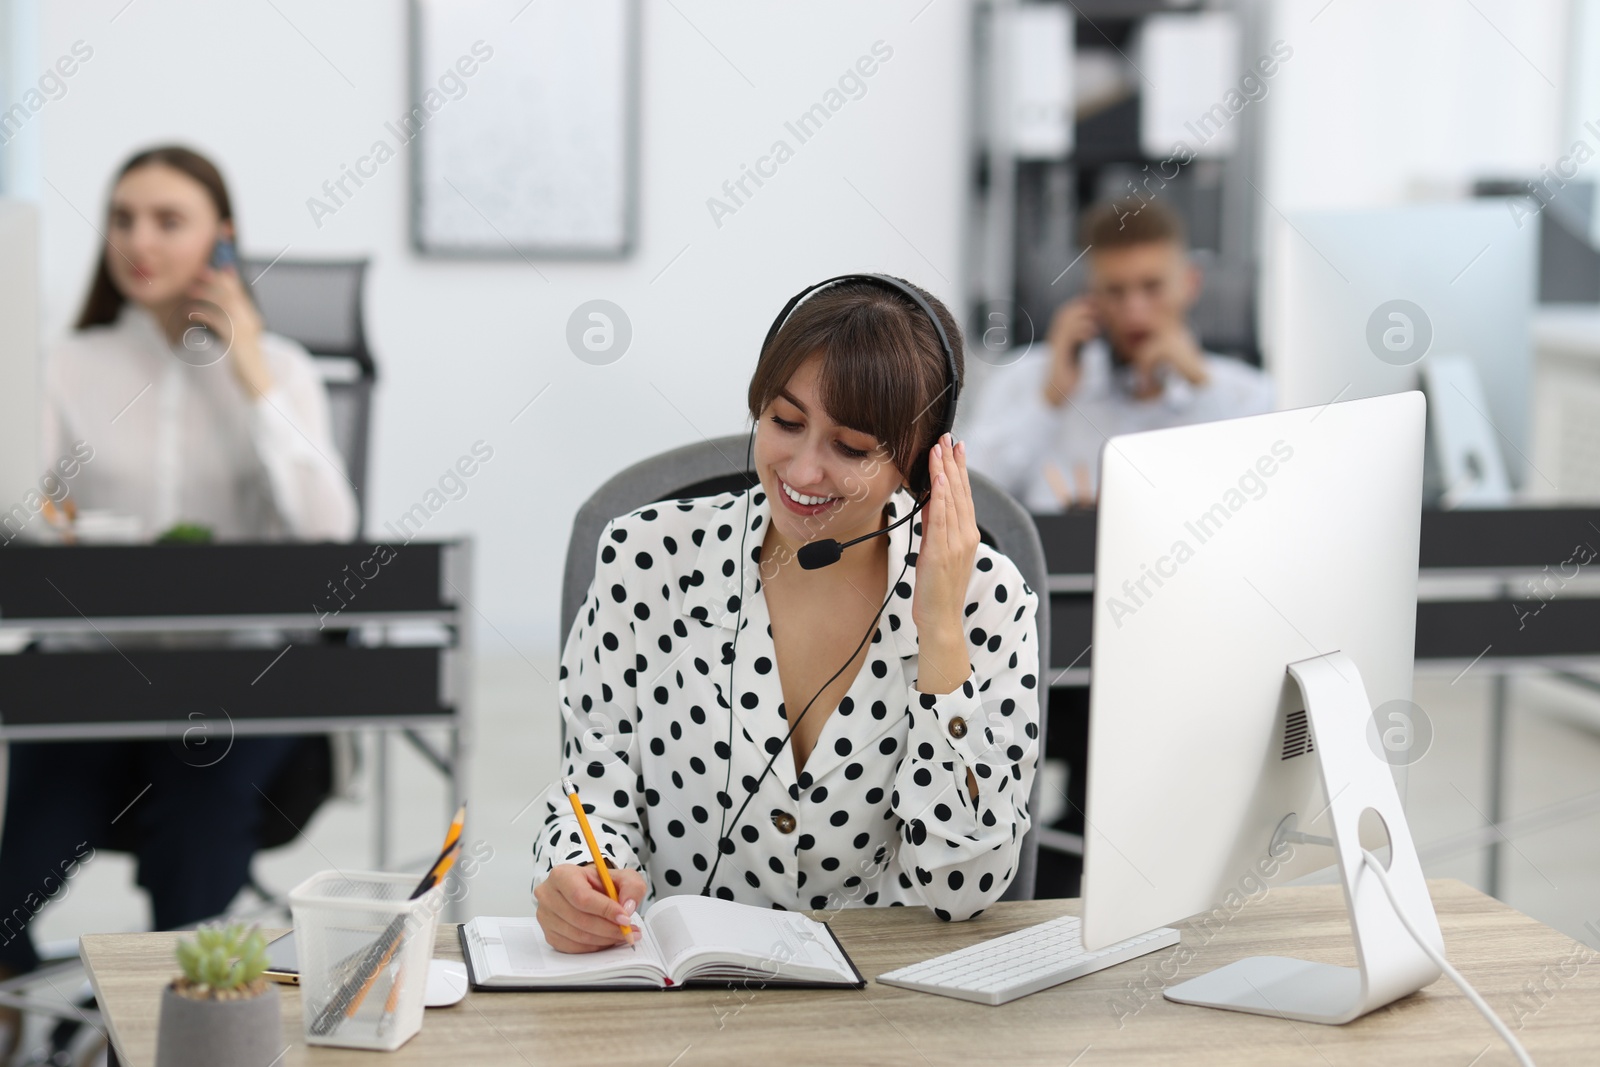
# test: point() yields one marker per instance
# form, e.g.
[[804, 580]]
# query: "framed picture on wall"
[[523, 125]]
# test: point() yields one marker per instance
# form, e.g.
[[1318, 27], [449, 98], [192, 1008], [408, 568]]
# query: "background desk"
[[1499, 592], [340, 666], [1497, 948]]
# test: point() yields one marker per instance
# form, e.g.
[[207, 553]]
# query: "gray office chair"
[[717, 466], [1224, 315], [319, 304]]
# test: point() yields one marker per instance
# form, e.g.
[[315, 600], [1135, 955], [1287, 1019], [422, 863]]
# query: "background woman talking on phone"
[[195, 416]]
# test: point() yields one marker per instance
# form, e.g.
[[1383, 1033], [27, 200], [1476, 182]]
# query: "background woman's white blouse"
[[175, 442], [882, 813]]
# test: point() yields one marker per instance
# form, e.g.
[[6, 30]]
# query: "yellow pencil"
[[449, 850], [594, 849]]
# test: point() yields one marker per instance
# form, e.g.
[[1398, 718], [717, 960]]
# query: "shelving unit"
[[1024, 206]]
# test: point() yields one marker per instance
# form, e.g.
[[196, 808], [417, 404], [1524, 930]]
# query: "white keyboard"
[[1005, 968]]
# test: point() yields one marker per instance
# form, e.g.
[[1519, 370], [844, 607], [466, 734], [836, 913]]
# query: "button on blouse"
[[664, 749]]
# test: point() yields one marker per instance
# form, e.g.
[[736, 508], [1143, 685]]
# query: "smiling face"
[[162, 226], [843, 476]]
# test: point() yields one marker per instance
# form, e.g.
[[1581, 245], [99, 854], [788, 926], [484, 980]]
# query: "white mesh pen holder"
[[363, 951]]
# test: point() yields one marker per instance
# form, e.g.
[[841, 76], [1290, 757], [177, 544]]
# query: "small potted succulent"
[[221, 1011]]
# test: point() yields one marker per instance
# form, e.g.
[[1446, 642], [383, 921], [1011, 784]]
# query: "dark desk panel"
[[1527, 539], [1071, 630], [1505, 629], [123, 581], [1446, 629], [154, 686], [1505, 538], [1068, 541]]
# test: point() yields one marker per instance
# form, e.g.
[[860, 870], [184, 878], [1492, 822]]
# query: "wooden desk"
[[1498, 949]]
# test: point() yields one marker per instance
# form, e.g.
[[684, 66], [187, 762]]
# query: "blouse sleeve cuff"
[[947, 723]]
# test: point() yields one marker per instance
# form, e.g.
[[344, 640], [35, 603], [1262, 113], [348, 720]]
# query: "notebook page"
[[765, 939], [515, 948]]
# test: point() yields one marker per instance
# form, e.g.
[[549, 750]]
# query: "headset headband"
[[947, 421]]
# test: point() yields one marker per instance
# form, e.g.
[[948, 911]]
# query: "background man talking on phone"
[[1118, 359]]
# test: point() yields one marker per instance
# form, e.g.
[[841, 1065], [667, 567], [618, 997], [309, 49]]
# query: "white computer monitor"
[[1335, 280], [1229, 555]]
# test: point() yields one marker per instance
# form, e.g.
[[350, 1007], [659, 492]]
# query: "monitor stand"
[[1390, 965]]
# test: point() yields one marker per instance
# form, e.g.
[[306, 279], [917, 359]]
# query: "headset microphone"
[[814, 555]]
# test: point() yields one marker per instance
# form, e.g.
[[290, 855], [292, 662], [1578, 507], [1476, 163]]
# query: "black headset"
[[821, 553]]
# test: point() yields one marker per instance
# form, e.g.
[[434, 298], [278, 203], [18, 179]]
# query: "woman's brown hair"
[[105, 300], [883, 371]]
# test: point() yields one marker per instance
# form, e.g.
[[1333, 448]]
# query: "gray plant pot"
[[219, 1033]]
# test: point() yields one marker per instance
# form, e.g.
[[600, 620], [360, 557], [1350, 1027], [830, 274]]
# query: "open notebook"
[[685, 940]]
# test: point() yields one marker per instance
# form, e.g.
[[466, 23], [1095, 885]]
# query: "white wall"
[[464, 345], [1384, 102]]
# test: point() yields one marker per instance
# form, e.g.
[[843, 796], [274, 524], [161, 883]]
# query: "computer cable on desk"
[[1376, 866]]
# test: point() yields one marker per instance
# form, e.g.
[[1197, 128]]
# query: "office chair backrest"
[[1224, 315], [716, 466], [319, 304]]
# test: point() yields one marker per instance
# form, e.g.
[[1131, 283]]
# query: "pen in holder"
[[364, 944]]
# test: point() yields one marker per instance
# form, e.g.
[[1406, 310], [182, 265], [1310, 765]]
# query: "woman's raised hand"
[[223, 307], [949, 545]]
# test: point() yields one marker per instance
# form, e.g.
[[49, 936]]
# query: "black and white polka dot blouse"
[[882, 813]]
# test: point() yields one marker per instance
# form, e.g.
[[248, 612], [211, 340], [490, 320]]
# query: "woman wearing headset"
[[792, 738]]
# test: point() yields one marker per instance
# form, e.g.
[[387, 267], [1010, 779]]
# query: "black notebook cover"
[[698, 983]]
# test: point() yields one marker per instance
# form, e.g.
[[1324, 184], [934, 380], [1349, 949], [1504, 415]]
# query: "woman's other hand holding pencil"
[[577, 915]]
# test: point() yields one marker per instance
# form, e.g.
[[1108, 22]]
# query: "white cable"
[[1376, 866]]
